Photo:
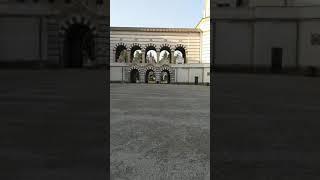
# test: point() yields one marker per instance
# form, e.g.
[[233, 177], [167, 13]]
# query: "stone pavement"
[[160, 131], [52, 125], [267, 127]]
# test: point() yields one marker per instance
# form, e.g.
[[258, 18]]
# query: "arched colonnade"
[[136, 53]]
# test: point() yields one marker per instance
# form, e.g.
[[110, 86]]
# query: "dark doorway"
[[165, 77], [150, 76], [78, 46], [276, 59], [134, 76]]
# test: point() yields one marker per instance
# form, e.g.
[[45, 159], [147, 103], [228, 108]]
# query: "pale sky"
[[156, 13]]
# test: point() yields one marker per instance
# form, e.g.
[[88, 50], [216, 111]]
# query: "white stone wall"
[[191, 40], [19, 37], [184, 73], [117, 72], [204, 26], [309, 54], [233, 43], [42, 7], [275, 34], [245, 36]]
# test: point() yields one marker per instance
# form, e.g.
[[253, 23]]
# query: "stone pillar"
[[143, 56], [129, 56], [172, 57], [158, 56], [114, 55]]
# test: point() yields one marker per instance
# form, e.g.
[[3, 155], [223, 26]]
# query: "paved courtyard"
[[160, 132], [52, 124], [52, 127], [267, 127]]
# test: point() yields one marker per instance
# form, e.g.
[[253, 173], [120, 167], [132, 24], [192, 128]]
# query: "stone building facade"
[[192, 43], [266, 35], [54, 32], [75, 33]]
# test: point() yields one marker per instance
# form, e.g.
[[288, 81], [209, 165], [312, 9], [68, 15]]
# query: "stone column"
[[172, 57], [143, 56], [129, 56], [158, 56], [114, 58]]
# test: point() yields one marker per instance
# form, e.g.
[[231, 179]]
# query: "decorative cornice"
[[149, 29]]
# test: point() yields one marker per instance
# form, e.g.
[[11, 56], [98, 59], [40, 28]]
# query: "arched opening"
[[151, 55], [136, 54], [150, 76], [165, 54], [180, 55], [121, 54], [134, 76], [78, 46], [165, 77]]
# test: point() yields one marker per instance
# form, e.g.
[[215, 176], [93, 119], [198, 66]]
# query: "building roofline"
[[153, 29], [203, 19]]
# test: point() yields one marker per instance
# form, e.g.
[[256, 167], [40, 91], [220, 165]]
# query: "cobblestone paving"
[[159, 132]]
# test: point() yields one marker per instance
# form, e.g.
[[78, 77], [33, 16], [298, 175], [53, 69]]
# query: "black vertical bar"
[[107, 84], [40, 39], [212, 61]]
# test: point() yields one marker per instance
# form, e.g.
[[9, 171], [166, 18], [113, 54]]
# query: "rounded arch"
[[82, 20], [150, 76], [165, 76], [134, 75], [169, 70], [181, 48], [150, 47], [78, 46], [77, 34], [134, 67], [118, 50], [167, 48], [133, 48]]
